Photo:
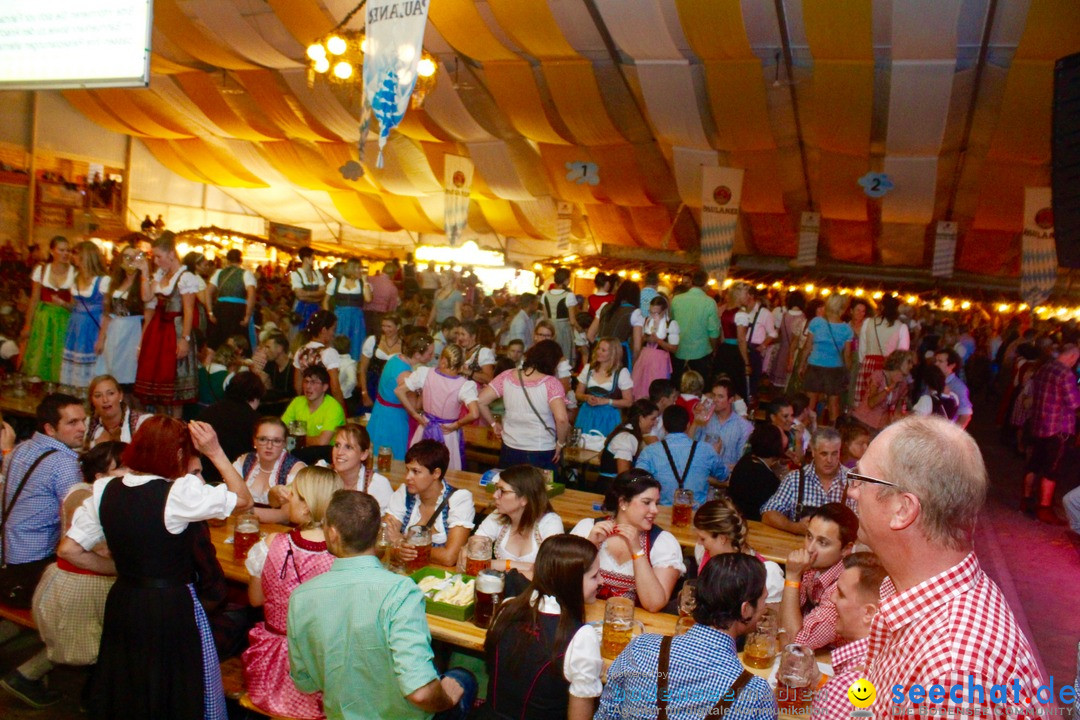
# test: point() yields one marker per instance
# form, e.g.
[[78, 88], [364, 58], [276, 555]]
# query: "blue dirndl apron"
[[604, 418]]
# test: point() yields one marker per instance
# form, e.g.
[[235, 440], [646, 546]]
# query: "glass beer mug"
[[418, 538], [476, 555], [619, 627], [489, 594], [797, 677], [762, 645], [245, 535], [682, 510]]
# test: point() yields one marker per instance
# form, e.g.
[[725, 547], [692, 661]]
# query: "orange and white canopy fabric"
[[641, 94]]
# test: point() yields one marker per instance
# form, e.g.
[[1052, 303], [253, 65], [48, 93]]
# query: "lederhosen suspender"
[[671, 461], [6, 508], [722, 705]]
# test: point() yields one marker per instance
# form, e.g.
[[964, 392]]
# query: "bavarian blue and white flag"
[[395, 41], [1038, 263], [457, 184], [721, 192]]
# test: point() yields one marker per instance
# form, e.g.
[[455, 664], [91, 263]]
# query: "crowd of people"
[[840, 420]]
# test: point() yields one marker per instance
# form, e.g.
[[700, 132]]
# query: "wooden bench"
[[18, 616], [232, 679]]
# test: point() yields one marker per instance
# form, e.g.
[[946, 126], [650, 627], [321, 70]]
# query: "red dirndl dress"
[[870, 365], [161, 378]]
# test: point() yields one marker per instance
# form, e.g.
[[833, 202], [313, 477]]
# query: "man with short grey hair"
[[823, 480], [943, 634]]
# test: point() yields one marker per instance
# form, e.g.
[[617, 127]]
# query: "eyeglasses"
[[270, 440], [544, 336], [504, 491], [855, 480]]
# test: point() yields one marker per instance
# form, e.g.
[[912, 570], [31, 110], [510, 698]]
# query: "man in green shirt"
[[699, 329], [359, 633], [320, 412]]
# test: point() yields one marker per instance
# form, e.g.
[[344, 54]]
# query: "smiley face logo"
[[862, 693]]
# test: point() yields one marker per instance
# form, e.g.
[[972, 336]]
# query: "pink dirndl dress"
[[652, 363], [442, 402], [290, 561]]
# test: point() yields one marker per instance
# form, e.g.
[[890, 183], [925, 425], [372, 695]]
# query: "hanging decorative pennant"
[[394, 43], [721, 192], [562, 227], [944, 249], [809, 231], [1038, 263], [457, 184]]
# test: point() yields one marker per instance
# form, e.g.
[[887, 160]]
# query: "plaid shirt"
[[1056, 398], [947, 629], [703, 665], [848, 664], [786, 496], [819, 610], [33, 528]]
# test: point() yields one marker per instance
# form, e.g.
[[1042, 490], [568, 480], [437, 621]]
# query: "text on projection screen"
[[74, 43]]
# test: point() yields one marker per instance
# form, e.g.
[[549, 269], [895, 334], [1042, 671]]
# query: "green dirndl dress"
[[44, 353]]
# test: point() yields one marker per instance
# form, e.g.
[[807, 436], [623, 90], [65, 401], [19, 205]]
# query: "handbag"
[[593, 440]]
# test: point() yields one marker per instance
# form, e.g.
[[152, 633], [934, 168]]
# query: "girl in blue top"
[[389, 423], [828, 356]]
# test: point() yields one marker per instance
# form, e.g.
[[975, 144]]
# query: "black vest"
[[531, 687]]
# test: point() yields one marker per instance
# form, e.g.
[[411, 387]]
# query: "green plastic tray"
[[454, 612]]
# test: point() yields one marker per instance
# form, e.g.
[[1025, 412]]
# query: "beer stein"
[[619, 627], [490, 585], [798, 667], [386, 459], [245, 535], [418, 537], [762, 645], [682, 510], [476, 555], [687, 603]]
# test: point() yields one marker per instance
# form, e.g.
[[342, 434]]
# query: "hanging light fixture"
[[338, 57]]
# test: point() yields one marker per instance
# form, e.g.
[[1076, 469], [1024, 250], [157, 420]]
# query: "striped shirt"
[[703, 665], [950, 634]]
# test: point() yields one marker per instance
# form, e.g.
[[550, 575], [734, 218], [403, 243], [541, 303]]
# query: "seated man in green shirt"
[[359, 633], [320, 412]]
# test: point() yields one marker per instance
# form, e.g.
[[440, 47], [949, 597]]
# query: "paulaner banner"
[[457, 184], [721, 192], [1038, 263], [395, 41]]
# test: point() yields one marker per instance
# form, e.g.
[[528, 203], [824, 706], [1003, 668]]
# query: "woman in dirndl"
[[638, 559], [661, 337], [881, 336], [277, 564], [860, 317], [604, 388], [729, 358], [50, 310], [377, 349], [389, 423], [308, 286], [348, 292], [83, 342], [168, 373], [157, 657], [444, 395], [122, 320]]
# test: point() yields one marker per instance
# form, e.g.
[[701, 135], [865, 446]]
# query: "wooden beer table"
[[576, 505], [456, 632], [25, 406]]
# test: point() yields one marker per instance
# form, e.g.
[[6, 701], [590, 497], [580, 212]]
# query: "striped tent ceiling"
[[950, 98]]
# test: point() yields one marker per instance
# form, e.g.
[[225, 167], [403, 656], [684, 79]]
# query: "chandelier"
[[338, 57]]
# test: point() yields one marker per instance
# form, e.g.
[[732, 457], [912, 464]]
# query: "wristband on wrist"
[[507, 564], [637, 555], [792, 584]]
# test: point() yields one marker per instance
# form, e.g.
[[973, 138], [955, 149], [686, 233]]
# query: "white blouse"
[[337, 287], [626, 382], [462, 513], [368, 349], [190, 500], [550, 524], [415, 382], [583, 665], [189, 283], [102, 283], [624, 446], [125, 430], [331, 359], [238, 465], [665, 329], [665, 552], [298, 278], [483, 356], [43, 276]]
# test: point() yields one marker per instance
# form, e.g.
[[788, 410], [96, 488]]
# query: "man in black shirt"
[[276, 372]]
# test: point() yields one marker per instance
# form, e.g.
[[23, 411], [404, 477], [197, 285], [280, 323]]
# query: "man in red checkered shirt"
[[807, 609], [1055, 400], [942, 625], [856, 598]]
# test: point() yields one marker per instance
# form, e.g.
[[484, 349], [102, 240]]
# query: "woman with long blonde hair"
[[81, 346], [604, 388], [444, 392], [721, 529], [277, 565]]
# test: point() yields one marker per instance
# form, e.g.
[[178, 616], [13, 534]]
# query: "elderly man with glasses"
[[942, 624]]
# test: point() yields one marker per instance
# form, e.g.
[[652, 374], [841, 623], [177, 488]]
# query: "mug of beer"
[[682, 510], [489, 594], [418, 538], [761, 646], [477, 555], [619, 627], [245, 535], [386, 458]]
